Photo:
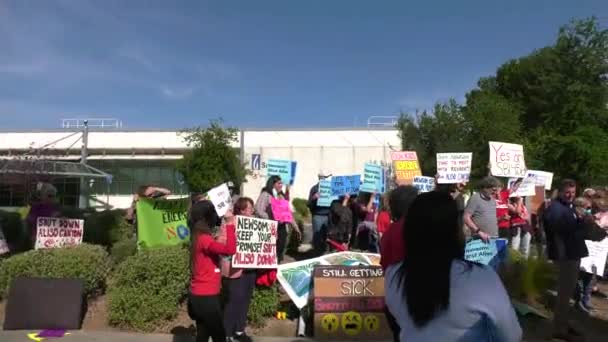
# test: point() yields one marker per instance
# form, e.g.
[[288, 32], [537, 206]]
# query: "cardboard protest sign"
[[349, 303], [542, 178], [221, 199], [507, 160], [373, 178], [296, 279], [347, 259], [282, 168], [256, 243], [162, 222], [454, 167], [527, 187], [487, 253], [595, 263], [342, 185], [56, 232], [406, 166], [325, 195], [424, 184], [281, 211]]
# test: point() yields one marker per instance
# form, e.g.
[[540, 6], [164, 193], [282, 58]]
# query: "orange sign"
[[406, 166]]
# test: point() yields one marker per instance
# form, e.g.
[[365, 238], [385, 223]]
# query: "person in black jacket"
[[565, 246], [320, 216]]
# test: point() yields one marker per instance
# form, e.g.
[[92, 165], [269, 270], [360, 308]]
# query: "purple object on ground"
[[51, 333]]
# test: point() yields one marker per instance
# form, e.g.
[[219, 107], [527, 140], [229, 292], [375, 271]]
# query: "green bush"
[[147, 288], [301, 207], [123, 249], [264, 304], [87, 262], [13, 229], [527, 280], [107, 227]]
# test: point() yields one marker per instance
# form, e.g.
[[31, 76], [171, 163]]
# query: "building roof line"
[[129, 130]]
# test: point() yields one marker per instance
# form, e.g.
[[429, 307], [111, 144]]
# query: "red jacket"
[[206, 276], [502, 209], [392, 248], [383, 222]]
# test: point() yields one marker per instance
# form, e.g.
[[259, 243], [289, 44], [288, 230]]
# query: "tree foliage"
[[554, 101], [213, 159]]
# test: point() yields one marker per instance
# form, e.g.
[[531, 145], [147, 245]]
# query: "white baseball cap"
[[324, 173]]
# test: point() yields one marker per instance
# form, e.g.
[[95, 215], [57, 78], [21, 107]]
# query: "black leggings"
[[207, 313], [238, 294], [392, 323], [281, 241]]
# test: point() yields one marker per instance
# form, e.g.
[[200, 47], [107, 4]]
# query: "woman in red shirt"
[[383, 221], [204, 299]]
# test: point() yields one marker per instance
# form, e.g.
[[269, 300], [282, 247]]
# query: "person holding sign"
[[480, 213], [435, 294], [46, 206], [204, 305], [320, 215]]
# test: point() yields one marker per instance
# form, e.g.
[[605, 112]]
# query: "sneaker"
[[242, 337]]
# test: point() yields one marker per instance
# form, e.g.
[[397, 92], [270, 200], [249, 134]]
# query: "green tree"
[[213, 159]]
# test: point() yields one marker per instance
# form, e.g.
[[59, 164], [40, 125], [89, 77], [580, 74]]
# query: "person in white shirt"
[[434, 294]]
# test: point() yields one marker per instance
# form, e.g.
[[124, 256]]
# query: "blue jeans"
[[319, 231], [584, 287]]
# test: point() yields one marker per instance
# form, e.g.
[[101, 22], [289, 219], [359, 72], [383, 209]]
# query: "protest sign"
[[221, 199], [453, 167], [373, 178], [406, 166], [281, 211], [325, 195], [349, 303], [595, 263], [487, 253], [282, 168], [424, 184], [526, 187], [542, 178], [296, 279], [162, 222], [256, 243], [56, 232], [347, 259], [507, 160], [342, 185]]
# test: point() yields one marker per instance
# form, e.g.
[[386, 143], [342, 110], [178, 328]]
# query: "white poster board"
[[453, 167], [596, 261], [507, 160], [56, 232], [256, 243], [542, 178], [424, 184], [221, 199], [526, 188]]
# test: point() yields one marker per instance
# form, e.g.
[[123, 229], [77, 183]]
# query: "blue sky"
[[257, 63]]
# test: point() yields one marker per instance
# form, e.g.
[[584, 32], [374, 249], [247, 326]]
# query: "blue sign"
[[293, 172], [255, 161], [281, 168], [325, 196], [342, 185], [491, 253], [373, 178]]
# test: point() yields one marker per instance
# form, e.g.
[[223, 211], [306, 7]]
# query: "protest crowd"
[[384, 223]]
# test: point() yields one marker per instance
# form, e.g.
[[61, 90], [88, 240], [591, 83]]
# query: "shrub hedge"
[[147, 288], [527, 279], [107, 227], [300, 205], [87, 262], [121, 250], [264, 304], [13, 229]]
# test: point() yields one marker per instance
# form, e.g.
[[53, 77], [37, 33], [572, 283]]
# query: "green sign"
[[162, 222]]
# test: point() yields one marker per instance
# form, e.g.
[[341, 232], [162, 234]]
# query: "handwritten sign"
[[595, 263], [342, 185], [507, 160], [373, 178], [486, 253], [349, 303], [542, 178], [406, 166], [282, 168], [55, 232], [454, 167], [221, 199], [424, 184], [256, 241], [325, 193], [281, 210], [527, 186]]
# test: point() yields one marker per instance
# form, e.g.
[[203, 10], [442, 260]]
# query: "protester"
[[480, 213], [434, 294], [502, 212], [520, 226], [45, 206], [263, 209], [145, 191], [565, 246], [384, 217], [339, 224], [367, 233], [319, 215], [237, 284], [204, 299]]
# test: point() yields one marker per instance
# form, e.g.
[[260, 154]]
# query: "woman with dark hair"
[[263, 209], [238, 284], [434, 294], [204, 300]]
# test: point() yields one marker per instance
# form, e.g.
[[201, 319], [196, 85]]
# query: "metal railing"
[[92, 123], [382, 121]]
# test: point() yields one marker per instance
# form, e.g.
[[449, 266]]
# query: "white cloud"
[[177, 92]]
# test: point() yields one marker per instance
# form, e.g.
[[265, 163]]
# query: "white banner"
[[507, 160], [454, 167], [221, 199], [424, 184], [56, 232], [542, 178], [256, 243], [527, 186], [596, 261]]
